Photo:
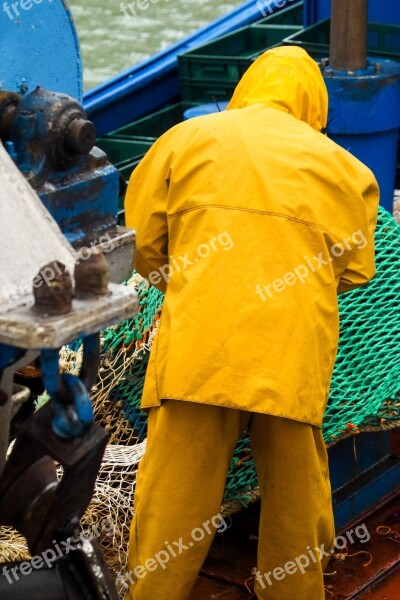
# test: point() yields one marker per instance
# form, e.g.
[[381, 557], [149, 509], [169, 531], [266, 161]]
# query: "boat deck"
[[373, 574]]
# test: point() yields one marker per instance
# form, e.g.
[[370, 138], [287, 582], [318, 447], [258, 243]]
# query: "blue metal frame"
[[362, 473], [379, 11], [39, 46]]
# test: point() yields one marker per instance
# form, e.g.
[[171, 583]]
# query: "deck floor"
[[233, 556]]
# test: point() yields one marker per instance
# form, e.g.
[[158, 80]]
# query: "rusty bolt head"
[[80, 136], [52, 290], [92, 276], [9, 102]]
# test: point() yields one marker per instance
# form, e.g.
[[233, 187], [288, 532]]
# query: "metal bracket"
[[36, 505]]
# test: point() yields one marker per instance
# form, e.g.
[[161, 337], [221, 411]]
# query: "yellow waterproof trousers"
[[179, 490]]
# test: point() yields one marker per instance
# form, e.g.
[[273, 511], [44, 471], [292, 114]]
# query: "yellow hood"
[[288, 79]]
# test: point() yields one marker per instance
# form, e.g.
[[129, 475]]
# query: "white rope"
[[123, 456]]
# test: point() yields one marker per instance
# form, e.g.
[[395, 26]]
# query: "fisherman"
[[251, 221]]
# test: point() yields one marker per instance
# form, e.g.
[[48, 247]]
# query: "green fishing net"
[[365, 389]]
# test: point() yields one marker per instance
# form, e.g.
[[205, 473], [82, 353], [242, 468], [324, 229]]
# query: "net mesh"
[[364, 396]]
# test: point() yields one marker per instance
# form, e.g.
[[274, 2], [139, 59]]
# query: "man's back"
[[255, 220]]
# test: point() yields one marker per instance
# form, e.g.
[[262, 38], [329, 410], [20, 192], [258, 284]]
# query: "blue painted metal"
[[370, 489], [73, 411], [9, 355], [364, 118], [50, 367], [154, 82], [89, 206], [379, 11], [353, 456], [362, 473], [39, 46], [71, 425], [80, 190]]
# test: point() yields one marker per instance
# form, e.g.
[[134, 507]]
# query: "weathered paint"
[[39, 47]]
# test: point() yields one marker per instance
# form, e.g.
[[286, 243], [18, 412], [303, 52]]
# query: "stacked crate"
[[383, 40], [210, 72], [125, 154], [126, 146]]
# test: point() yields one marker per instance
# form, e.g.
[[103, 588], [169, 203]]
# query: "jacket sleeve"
[[361, 266], [146, 213]]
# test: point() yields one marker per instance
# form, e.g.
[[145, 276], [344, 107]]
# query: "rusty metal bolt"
[[80, 136], [9, 102], [92, 276], [52, 290]]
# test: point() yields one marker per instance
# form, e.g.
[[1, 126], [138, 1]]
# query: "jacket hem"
[[147, 405]]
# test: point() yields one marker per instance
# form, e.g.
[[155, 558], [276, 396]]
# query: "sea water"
[[115, 35]]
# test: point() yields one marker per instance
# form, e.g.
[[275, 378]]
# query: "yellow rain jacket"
[[257, 221]]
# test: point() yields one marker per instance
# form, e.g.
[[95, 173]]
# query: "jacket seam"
[[255, 211]]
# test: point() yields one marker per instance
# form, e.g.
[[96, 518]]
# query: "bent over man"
[[251, 221]]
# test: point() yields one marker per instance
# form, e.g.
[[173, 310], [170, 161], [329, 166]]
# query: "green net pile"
[[365, 390]]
